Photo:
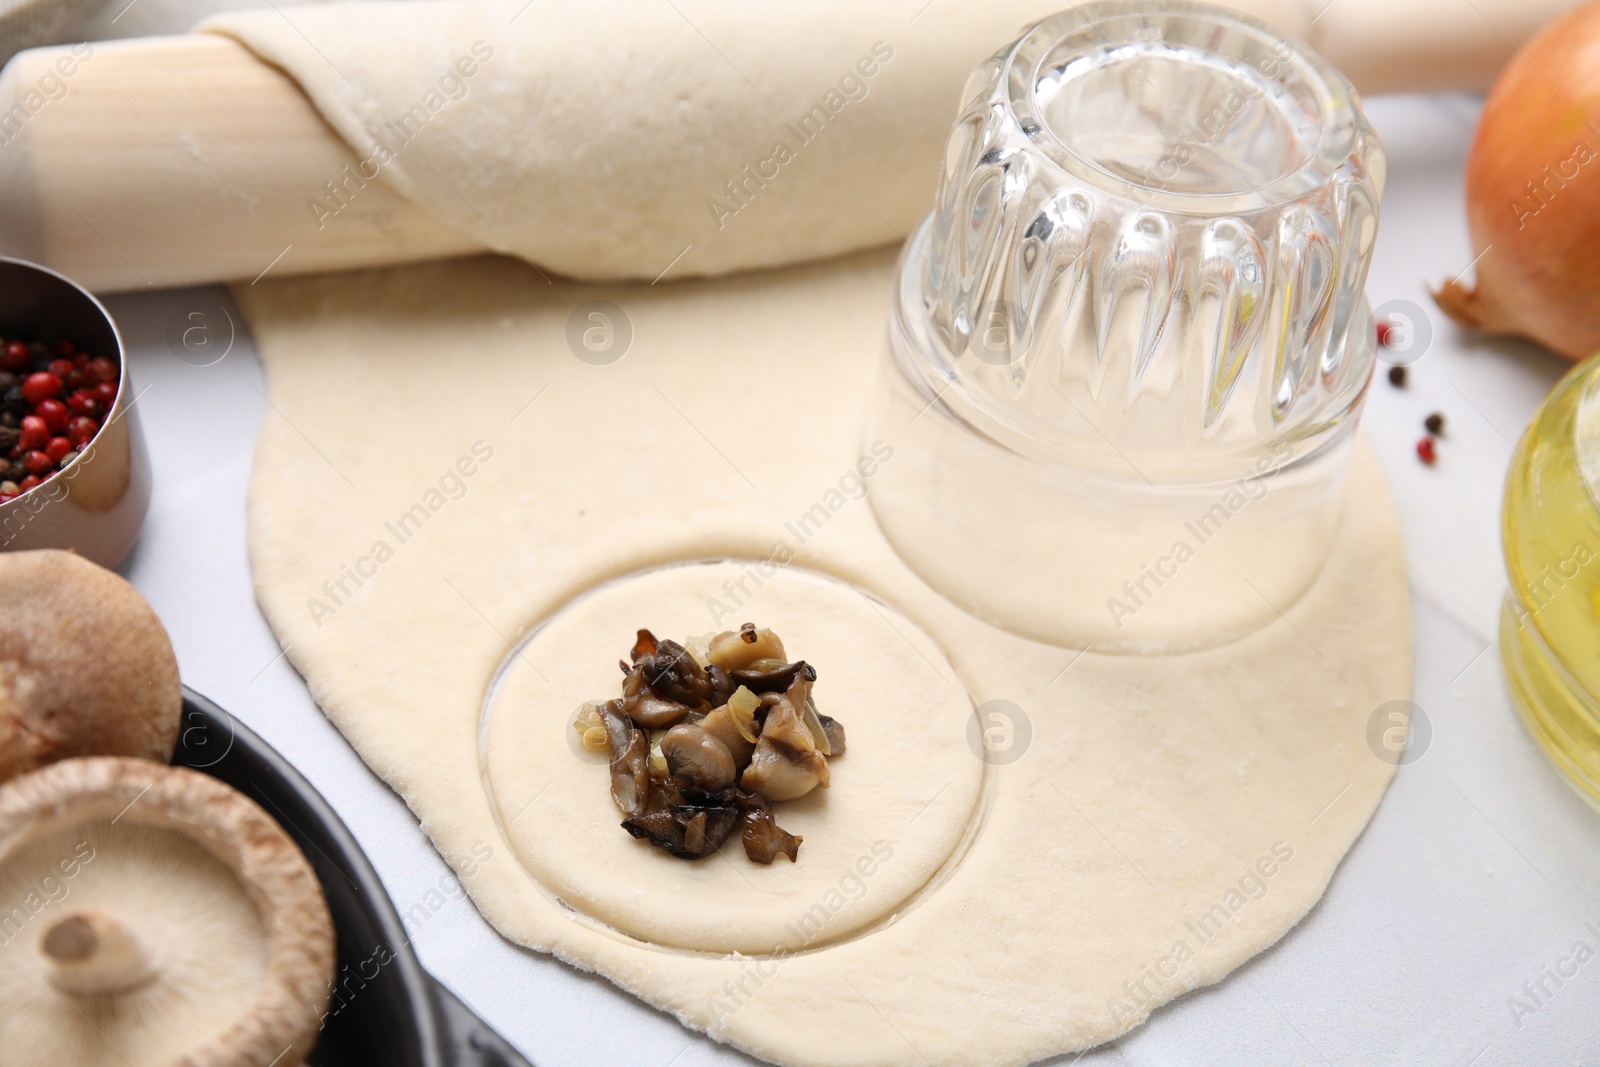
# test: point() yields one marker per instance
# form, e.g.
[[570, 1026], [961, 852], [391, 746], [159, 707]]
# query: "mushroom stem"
[[91, 953]]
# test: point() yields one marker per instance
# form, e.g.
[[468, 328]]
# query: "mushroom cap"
[[86, 668], [236, 939]]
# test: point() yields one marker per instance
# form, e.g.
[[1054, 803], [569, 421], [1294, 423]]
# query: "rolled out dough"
[[440, 471]]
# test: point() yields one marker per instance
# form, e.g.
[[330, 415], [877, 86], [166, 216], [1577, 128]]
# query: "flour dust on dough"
[[1168, 818]]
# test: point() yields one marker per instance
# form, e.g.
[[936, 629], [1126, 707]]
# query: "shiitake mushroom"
[[195, 931], [86, 668]]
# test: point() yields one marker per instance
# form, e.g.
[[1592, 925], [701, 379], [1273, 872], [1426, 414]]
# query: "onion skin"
[[1539, 275]]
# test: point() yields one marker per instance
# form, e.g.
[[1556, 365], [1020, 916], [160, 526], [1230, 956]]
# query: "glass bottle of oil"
[[1550, 627]]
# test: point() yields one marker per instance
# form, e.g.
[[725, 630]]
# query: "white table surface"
[[1480, 869]]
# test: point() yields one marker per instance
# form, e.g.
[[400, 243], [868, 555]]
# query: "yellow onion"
[[1533, 194]]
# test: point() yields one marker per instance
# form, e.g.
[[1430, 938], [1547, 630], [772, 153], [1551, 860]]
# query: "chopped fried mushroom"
[[653, 713], [764, 840], [644, 706], [663, 792], [615, 723], [675, 675], [663, 828], [696, 759], [772, 675], [786, 763], [696, 836], [777, 776], [723, 724], [644, 645], [695, 719], [722, 686], [735, 651], [686, 831], [630, 755]]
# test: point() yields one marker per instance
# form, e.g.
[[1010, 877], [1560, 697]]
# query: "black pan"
[[388, 1010]]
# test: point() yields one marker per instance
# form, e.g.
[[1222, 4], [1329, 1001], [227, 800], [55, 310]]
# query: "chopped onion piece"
[[657, 763], [742, 710], [813, 723]]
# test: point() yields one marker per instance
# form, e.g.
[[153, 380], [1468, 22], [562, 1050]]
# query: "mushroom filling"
[[706, 736]]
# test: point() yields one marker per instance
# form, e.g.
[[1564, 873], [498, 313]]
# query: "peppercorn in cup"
[[74, 472]]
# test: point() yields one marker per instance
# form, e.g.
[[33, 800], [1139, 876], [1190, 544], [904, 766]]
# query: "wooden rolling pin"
[[180, 160]]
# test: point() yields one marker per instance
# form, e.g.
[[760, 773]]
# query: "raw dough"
[[903, 793], [633, 138], [1163, 819]]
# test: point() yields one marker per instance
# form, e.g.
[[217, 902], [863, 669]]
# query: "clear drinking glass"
[[1129, 346]]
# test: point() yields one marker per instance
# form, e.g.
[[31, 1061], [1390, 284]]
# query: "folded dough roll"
[[608, 139]]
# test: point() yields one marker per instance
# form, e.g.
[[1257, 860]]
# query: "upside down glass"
[[1129, 346]]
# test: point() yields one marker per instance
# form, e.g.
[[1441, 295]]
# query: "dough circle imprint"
[[904, 710]]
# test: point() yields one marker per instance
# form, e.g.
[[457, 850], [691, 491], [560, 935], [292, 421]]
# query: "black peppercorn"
[[1434, 424], [1397, 377]]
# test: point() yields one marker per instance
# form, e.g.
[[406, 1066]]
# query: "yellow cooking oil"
[[1550, 626]]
